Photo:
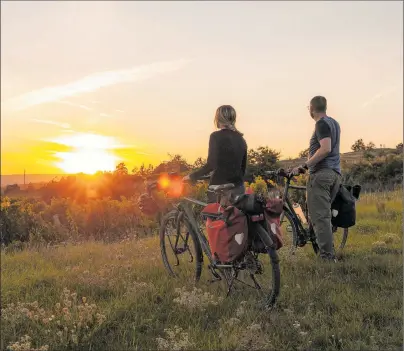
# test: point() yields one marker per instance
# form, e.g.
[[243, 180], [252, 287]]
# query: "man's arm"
[[323, 133], [321, 153]]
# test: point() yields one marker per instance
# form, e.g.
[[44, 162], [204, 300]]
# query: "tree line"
[[374, 167]]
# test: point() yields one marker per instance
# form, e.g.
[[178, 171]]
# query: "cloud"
[[75, 105], [59, 124], [121, 111], [380, 95], [90, 141], [105, 115], [91, 83]]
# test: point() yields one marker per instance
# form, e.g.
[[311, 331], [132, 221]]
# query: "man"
[[324, 174]]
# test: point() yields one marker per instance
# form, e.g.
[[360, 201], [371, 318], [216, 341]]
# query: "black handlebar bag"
[[343, 208]]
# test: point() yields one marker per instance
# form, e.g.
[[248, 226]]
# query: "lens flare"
[[163, 182], [172, 185], [176, 187]]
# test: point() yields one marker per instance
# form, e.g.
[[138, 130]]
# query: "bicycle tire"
[[270, 300], [178, 217], [289, 217], [344, 239]]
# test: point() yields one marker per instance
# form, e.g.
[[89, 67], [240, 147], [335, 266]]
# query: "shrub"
[[69, 323]]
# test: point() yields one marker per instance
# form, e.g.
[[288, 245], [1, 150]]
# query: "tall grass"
[[117, 296]]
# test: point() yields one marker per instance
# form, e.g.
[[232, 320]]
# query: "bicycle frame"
[[184, 206], [194, 226], [289, 207], [227, 272]]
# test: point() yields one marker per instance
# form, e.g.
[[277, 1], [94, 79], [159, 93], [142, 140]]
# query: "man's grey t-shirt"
[[326, 127]]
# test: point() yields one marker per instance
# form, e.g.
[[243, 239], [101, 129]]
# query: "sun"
[[86, 161], [90, 153]]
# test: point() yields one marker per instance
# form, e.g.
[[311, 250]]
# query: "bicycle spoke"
[[173, 248], [233, 278], [257, 286], [174, 251], [186, 246]]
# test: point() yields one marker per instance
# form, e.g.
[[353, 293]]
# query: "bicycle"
[[180, 243], [301, 228]]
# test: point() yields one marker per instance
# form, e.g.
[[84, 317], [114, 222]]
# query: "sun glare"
[[90, 153]]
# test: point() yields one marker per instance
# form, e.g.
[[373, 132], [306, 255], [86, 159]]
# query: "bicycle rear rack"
[[235, 270]]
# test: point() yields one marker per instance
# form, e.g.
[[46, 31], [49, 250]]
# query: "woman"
[[227, 155]]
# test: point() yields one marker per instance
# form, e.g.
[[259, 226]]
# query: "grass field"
[[119, 297]]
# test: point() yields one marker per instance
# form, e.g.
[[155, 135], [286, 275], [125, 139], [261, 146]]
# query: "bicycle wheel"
[[180, 248], [272, 277], [340, 238], [289, 232]]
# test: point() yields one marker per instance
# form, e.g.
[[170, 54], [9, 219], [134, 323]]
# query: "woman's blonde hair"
[[226, 118]]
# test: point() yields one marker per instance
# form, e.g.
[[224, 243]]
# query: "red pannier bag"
[[273, 211], [227, 230]]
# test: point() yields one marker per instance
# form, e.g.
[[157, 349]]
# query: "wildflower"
[[240, 311], [232, 321], [379, 247], [84, 299], [177, 339], [254, 327], [391, 238], [296, 324], [65, 310], [196, 299], [58, 305]]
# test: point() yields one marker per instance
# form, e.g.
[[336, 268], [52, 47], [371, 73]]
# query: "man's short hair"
[[319, 104]]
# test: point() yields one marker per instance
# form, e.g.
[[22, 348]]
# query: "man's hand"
[[299, 170], [186, 178]]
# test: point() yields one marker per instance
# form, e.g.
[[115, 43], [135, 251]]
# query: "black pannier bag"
[[267, 213], [343, 208]]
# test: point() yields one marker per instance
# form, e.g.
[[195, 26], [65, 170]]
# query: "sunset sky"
[[85, 85]]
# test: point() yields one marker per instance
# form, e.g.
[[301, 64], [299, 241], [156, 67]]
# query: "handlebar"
[[282, 173]]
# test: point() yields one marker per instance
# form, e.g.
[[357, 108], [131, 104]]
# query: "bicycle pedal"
[[301, 242]]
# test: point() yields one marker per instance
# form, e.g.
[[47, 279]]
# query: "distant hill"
[[29, 178], [349, 157]]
